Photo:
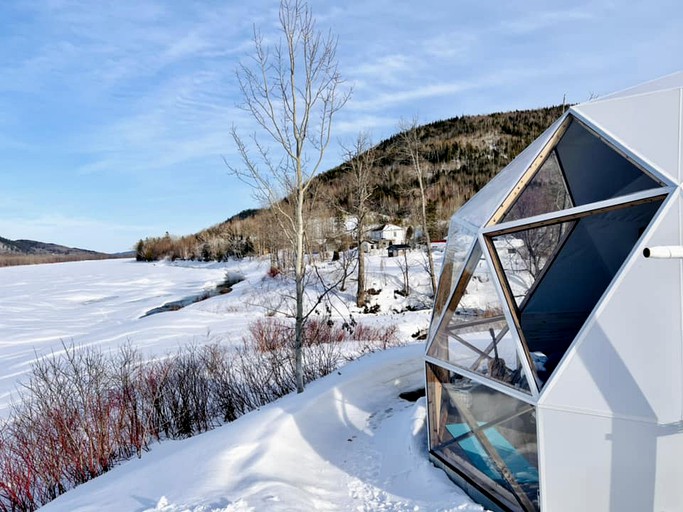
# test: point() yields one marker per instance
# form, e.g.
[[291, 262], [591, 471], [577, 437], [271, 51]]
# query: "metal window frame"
[[577, 212], [548, 219]]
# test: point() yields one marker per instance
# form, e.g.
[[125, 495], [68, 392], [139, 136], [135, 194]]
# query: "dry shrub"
[[273, 333], [376, 338], [82, 410], [270, 334], [321, 331]]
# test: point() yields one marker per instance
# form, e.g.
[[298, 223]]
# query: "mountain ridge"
[[26, 247], [27, 252]]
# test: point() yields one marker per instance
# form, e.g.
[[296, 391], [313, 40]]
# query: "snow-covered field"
[[100, 303], [347, 443]]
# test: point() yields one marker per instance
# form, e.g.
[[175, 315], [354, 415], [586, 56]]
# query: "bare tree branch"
[[292, 92], [410, 136]]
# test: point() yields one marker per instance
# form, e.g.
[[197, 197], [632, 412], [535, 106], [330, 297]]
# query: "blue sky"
[[115, 115]]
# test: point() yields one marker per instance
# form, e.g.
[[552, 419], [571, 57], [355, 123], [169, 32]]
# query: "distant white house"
[[388, 233]]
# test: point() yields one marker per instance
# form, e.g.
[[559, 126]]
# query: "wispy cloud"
[[131, 102], [384, 100], [459, 47], [537, 20], [388, 68]]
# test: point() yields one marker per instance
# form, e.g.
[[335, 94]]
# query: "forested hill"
[[24, 252], [460, 156]]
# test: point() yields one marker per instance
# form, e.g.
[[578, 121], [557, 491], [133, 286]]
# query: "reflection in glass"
[[524, 255], [474, 334], [595, 171], [460, 240], [546, 192], [489, 436]]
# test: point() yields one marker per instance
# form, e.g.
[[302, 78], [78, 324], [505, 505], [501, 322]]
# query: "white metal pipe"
[[664, 251]]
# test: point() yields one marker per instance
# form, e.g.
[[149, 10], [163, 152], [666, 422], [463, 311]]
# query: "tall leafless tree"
[[292, 90], [411, 146], [361, 160]]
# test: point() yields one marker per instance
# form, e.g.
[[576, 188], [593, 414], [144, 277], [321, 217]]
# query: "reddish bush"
[[270, 334], [320, 331], [376, 337], [83, 411]]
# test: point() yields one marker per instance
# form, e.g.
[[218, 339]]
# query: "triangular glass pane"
[[479, 209], [581, 169], [525, 254], [474, 334], [594, 171], [648, 124], [460, 241], [546, 192]]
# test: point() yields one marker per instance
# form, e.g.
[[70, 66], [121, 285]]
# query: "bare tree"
[[292, 90], [405, 271], [361, 160], [410, 137]]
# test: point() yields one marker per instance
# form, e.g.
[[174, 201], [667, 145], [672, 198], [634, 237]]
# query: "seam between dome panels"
[[680, 129], [680, 288], [480, 379]]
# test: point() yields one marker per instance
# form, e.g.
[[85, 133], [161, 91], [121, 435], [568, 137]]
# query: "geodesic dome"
[[554, 363]]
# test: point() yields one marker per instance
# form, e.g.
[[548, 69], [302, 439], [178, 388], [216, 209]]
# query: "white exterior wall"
[[597, 463], [668, 489], [611, 418], [394, 233]]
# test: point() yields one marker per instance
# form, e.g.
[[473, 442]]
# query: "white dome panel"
[[647, 125]]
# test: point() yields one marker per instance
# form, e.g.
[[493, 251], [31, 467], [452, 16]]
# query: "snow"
[[347, 443], [100, 303]]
